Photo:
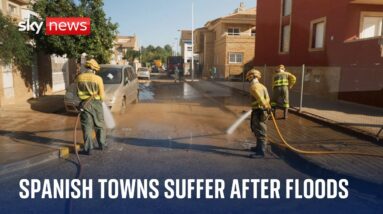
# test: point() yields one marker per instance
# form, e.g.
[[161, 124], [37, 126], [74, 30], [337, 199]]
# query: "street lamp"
[[176, 46]]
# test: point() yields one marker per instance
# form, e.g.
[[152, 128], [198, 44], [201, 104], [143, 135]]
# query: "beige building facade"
[[227, 43], [121, 45]]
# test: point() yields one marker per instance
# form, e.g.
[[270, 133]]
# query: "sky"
[[156, 22]]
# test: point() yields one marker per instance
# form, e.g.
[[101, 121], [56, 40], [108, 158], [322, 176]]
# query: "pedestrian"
[[260, 104], [176, 73], [282, 82], [90, 90], [181, 73], [213, 72]]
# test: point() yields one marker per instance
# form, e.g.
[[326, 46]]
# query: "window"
[[285, 39], [371, 25], [286, 7], [317, 34], [190, 49], [12, 9], [233, 31], [235, 58]]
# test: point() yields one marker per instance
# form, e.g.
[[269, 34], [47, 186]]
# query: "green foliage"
[[151, 53], [14, 47], [60, 45], [100, 42], [97, 45], [131, 55]]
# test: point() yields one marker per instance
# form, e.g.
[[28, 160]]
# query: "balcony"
[[377, 2], [237, 35]]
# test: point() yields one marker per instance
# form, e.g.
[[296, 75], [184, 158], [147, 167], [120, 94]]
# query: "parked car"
[[121, 88], [143, 73]]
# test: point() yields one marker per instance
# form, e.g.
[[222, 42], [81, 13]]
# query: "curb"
[[6, 169], [341, 128], [36, 160]]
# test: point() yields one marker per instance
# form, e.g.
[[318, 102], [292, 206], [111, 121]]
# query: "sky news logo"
[[58, 26]]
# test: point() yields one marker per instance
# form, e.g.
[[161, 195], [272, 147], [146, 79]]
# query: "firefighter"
[[90, 89], [260, 107], [282, 82]]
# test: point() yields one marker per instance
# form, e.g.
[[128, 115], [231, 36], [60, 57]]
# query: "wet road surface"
[[177, 130]]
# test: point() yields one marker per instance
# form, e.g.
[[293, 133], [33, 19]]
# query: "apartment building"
[[227, 43], [340, 42], [121, 45]]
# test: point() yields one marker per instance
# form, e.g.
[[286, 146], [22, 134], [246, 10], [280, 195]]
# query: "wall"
[[358, 59]]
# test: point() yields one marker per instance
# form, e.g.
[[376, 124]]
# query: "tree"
[[97, 45], [59, 45], [14, 47], [131, 55], [151, 53], [100, 42]]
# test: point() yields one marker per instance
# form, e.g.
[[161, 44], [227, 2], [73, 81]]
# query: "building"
[[227, 43], [121, 45], [187, 50], [340, 42], [47, 75], [186, 45]]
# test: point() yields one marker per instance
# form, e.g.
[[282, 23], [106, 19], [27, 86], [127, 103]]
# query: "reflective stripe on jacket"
[[259, 94], [90, 85], [284, 79]]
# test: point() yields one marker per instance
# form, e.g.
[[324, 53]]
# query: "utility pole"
[[192, 38]]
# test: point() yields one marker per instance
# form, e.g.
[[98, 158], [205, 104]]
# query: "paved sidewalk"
[[306, 134], [33, 133], [357, 117]]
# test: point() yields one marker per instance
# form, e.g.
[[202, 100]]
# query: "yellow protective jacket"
[[90, 85], [284, 79], [260, 96]]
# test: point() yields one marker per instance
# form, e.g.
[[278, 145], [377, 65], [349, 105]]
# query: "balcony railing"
[[238, 34]]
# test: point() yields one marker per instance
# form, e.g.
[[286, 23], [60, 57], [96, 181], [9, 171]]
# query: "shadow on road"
[[174, 144]]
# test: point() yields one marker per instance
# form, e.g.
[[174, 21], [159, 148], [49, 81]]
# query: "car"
[[120, 84], [143, 73]]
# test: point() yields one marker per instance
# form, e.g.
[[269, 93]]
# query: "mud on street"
[[177, 130]]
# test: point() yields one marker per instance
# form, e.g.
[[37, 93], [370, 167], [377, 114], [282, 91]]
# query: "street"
[[177, 130]]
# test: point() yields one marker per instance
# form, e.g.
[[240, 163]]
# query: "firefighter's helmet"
[[253, 73], [92, 64]]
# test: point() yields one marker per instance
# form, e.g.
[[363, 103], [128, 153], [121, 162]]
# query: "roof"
[[126, 41], [238, 14], [186, 35]]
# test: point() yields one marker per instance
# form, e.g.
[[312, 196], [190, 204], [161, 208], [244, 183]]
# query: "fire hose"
[[292, 148], [296, 150]]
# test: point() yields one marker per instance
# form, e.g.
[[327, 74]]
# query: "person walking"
[[176, 73], [260, 104], [90, 90], [282, 82]]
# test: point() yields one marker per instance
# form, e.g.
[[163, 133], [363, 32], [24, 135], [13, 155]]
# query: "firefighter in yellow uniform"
[[90, 89], [282, 82], [260, 107]]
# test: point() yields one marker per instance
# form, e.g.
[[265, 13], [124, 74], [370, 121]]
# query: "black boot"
[[285, 113]]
